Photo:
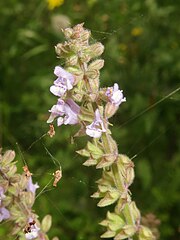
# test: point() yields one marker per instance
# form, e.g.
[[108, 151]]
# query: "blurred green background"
[[142, 52]]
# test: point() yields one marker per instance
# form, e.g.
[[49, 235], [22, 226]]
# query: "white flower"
[[96, 128], [63, 83], [115, 95], [66, 112]]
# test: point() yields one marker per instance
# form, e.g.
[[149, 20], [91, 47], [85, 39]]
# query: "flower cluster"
[[82, 101], [66, 111], [77, 86], [17, 196]]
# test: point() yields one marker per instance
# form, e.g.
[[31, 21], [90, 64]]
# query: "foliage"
[[142, 52]]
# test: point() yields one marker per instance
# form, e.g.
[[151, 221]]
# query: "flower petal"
[[58, 91], [93, 132]]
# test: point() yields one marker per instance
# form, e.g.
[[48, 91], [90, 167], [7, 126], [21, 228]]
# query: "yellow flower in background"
[[123, 46], [136, 31], [54, 3]]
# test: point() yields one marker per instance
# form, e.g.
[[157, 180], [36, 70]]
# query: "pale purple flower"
[[66, 112], [57, 111], [96, 128], [115, 95], [2, 196], [63, 83], [4, 214], [31, 187], [33, 231]]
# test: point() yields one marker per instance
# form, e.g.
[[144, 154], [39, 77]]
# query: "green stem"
[[118, 179]]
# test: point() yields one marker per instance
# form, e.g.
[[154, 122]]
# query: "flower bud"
[[77, 31], [8, 157], [110, 109], [85, 35], [96, 65], [96, 50], [62, 49], [46, 223], [58, 49], [67, 32]]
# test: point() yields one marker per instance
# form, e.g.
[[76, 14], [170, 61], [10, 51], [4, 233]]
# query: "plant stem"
[[118, 179]]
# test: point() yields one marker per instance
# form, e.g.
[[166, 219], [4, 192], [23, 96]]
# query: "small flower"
[[31, 230], [31, 187], [115, 95], [136, 31], [96, 128], [67, 112], [63, 83], [4, 214], [57, 110], [54, 3]]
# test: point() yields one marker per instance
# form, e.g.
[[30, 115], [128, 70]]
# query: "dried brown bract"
[[51, 131], [57, 176]]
